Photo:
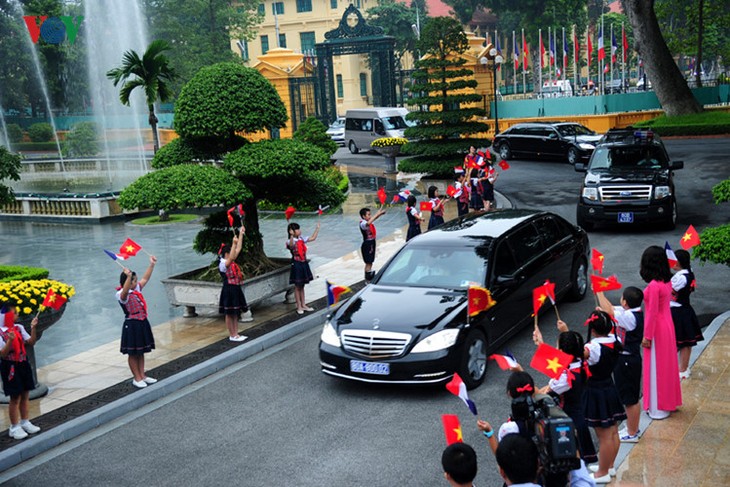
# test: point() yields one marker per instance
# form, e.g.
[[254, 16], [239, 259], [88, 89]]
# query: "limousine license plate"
[[626, 217], [375, 368]]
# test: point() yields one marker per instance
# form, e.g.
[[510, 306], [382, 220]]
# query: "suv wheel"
[[578, 279], [573, 156], [672, 221], [473, 360], [353, 148], [504, 151]]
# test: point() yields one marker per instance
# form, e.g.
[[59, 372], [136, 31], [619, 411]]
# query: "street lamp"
[[497, 59]]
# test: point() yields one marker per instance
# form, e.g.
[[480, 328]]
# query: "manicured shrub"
[[15, 133], [82, 140], [40, 132]]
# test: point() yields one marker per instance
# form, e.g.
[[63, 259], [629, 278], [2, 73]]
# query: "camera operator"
[[517, 460], [537, 418]]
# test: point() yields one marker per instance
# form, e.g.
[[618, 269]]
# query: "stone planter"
[[389, 152], [45, 320], [181, 291]]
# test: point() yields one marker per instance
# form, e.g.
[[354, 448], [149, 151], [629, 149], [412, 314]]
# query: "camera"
[[551, 430]]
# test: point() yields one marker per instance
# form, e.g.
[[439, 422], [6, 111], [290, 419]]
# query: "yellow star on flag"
[[542, 299], [52, 298], [603, 284], [554, 365], [458, 433], [130, 249], [686, 236]]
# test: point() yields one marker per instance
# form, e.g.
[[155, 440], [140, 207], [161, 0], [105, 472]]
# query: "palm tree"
[[152, 73]]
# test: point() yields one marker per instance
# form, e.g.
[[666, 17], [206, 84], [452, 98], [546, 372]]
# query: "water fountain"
[[4, 138]]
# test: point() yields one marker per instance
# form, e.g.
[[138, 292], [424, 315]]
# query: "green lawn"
[[155, 219]]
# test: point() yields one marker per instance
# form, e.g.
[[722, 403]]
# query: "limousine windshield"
[[443, 267]]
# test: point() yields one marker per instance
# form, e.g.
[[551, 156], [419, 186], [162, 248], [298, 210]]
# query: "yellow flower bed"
[[28, 296], [389, 141]]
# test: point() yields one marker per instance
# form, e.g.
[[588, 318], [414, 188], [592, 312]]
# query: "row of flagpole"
[[521, 58]]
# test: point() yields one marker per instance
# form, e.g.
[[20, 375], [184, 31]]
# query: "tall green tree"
[[397, 19], [152, 73], [440, 83], [464, 9], [9, 169]]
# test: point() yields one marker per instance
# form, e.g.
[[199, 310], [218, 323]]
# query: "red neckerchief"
[[372, 228], [236, 271], [141, 299], [301, 248], [18, 342]]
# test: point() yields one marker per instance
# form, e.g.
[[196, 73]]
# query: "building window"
[[304, 5], [333, 4], [282, 40], [340, 88], [356, 3], [307, 40], [363, 84], [278, 8], [243, 47], [262, 9], [264, 44]]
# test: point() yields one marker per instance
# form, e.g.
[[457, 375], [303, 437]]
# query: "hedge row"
[[21, 273]]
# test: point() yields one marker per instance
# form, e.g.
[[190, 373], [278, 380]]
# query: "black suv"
[[556, 140], [629, 179]]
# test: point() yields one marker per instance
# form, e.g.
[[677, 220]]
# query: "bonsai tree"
[[315, 132], [443, 84], [217, 104], [713, 245], [9, 169], [152, 73]]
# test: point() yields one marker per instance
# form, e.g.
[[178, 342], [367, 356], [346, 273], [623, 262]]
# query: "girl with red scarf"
[[16, 373], [300, 272], [232, 302], [137, 338]]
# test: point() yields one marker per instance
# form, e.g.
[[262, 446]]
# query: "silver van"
[[364, 125]]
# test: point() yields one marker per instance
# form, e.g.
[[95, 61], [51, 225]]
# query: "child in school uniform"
[[461, 195], [367, 248], [300, 273], [490, 176], [602, 405], [232, 302], [629, 319], [437, 208], [414, 218], [137, 338], [476, 175], [686, 325], [17, 375]]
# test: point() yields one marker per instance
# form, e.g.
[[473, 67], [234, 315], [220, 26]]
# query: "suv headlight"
[[586, 146], [438, 341], [662, 192], [590, 194], [329, 335]]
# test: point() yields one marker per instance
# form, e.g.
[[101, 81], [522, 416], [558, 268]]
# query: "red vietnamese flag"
[[130, 247], [230, 216], [601, 284], [625, 42], [289, 212], [382, 197], [452, 428], [504, 165], [542, 52], [425, 206], [480, 299], [576, 49], [690, 238], [525, 50], [597, 261], [550, 361], [590, 50], [53, 300], [450, 191], [539, 295]]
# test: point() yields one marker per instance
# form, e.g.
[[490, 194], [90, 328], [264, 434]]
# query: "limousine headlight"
[[438, 341], [590, 194], [586, 146], [329, 335]]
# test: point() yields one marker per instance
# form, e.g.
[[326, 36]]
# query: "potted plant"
[[389, 147], [210, 165], [27, 296]]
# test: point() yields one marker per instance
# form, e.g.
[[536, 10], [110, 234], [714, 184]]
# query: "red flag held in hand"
[[241, 213], [597, 261], [690, 238], [230, 217], [504, 165], [425, 206], [601, 284], [480, 299], [382, 197], [550, 291], [452, 428], [539, 295], [130, 247], [550, 361], [289, 212], [53, 300], [450, 191]]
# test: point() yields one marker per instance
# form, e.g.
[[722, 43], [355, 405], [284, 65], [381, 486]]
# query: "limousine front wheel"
[[473, 362], [578, 279], [353, 148]]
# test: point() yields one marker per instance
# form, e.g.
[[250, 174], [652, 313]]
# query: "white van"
[[364, 125], [556, 89]]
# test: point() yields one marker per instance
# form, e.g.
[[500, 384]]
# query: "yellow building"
[[299, 25]]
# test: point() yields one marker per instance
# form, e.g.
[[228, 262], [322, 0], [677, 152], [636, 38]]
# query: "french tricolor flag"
[[114, 256], [506, 361], [458, 388], [670, 255], [401, 197]]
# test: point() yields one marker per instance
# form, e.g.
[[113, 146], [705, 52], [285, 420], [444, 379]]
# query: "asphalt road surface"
[[276, 420]]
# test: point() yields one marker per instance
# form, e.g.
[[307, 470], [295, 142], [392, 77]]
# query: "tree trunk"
[[670, 86], [700, 28], [153, 123]]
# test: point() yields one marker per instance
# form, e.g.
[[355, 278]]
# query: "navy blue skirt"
[[413, 230], [686, 326], [17, 377], [601, 404], [300, 273], [232, 300], [137, 337]]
